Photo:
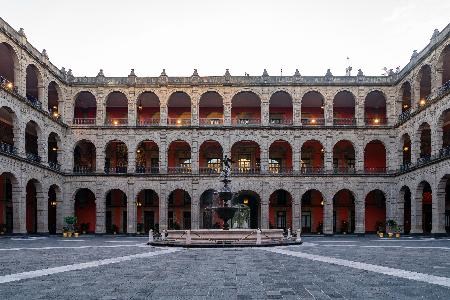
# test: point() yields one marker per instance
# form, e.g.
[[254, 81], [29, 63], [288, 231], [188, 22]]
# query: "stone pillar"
[[42, 209], [65, 206], [416, 212], [195, 114], [43, 147], [163, 114], [21, 83], [101, 102], [195, 204], [265, 112], [163, 154], [195, 156], [398, 201], [327, 214], [436, 139], [19, 138], [359, 108], [163, 196], [100, 208], [328, 154], [360, 216], [131, 209], [297, 114], [100, 158], [227, 109], [438, 208], [264, 156], [415, 148], [296, 154], [265, 206], [131, 160], [359, 153], [44, 96], [19, 206], [297, 208], [328, 109]]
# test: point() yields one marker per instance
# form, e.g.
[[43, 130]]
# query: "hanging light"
[[313, 121], [405, 106], [53, 203], [140, 107], [376, 121], [178, 121], [321, 202], [406, 148], [115, 122], [54, 149], [246, 201], [138, 203], [9, 85], [422, 102]]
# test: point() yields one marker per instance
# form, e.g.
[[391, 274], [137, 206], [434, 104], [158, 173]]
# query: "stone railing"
[[246, 122], [344, 121], [147, 122], [147, 170], [54, 165], [7, 148], [116, 121], [178, 122], [33, 157], [210, 121], [83, 170], [84, 121], [179, 170], [116, 170]]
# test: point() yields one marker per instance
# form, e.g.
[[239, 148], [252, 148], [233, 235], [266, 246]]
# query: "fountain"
[[225, 237]]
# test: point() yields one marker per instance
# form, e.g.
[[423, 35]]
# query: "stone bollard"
[[289, 235], [150, 236], [299, 233], [188, 237], [258, 236], [163, 235]]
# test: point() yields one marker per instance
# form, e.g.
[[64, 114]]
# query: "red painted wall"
[[375, 212], [87, 214], [375, 156]]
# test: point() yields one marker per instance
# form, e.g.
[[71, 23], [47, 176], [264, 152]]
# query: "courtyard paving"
[[119, 267]]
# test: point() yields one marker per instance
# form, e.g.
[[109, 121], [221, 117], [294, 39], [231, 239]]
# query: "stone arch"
[[147, 157], [85, 108], [281, 108], [406, 97], [116, 157], [375, 158], [375, 211], [34, 85], [9, 65], [10, 132], [280, 157], [33, 135], [280, 209], [210, 157], [116, 211], [84, 157], [85, 209], [344, 104], [211, 108], [443, 64], [405, 150], [344, 211], [147, 212], [54, 98], [313, 108], [54, 149], [246, 108], [344, 157], [53, 208], [252, 200], [405, 207], [208, 219], [9, 206], [375, 108], [116, 109], [312, 208], [148, 109], [424, 138], [246, 155], [179, 157], [422, 208], [312, 157], [424, 84], [179, 209], [179, 109], [35, 210]]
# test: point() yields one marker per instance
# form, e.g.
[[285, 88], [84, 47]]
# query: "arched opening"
[[179, 157], [210, 109], [344, 157], [424, 84], [343, 212], [447, 203], [8, 65], [116, 212], [445, 125], [246, 109], [425, 142], [375, 213], [249, 214], [313, 109], [280, 109], [7, 118], [32, 189], [85, 110], [147, 158], [6, 202], [406, 96], [85, 210], [405, 198], [424, 197], [84, 156], [344, 109], [208, 219], [116, 157], [280, 210], [179, 214], [52, 205], [33, 85], [444, 63], [375, 157], [148, 113], [179, 109], [280, 157], [53, 100], [246, 156], [53, 149], [116, 109], [375, 109], [32, 132], [406, 151], [147, 204], [210, 157], [312, 212], [312, 157]]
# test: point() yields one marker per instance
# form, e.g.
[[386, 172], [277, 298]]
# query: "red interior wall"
[[31, 207], [90, 112], [117, 112], [375, 156], [253, 112], [343, 206], [175, 112], [374, 213], [148, 113], [172, 155], [87, 214], [205, 111], [285, 111], [312, 112], [343, 112], [273, 211]]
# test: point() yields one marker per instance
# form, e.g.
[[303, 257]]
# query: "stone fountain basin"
[[232, 235]]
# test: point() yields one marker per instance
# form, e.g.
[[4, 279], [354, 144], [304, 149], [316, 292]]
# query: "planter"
[[397, 235], [84, 231], [65, 234], [381, 234], [69, 234], [75, 234], [390, 234]]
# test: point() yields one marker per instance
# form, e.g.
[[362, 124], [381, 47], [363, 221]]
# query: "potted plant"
[[390, 227], [398, 230], [65, 230], [344, 227], [380, 229], [114, 229], [84, 227], [70, 221]]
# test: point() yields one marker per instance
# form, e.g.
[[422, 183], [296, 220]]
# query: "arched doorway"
[[312, 212], [251, 200], [53, 193], [424, 197], [116, 109], [375, 157], [246, 109], [116, 157], [85, 210], [179, 109], [148, 109], [375, 109], [116, 212], [280, 157], [246, 156], [179, 158], [208, 219], [147, 203], [344, 157], [405, 199], [147, 158], [375, 212], [344, 212], [344, 109], [280, 210], [210, 157], [6, 202], [210, 109], [84, 157], [179, 210], [312, 109], [85, 110], [33, 192], [280, 109]]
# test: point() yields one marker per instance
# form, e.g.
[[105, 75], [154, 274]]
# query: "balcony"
[[313, 121], [83, 170], [210, 171], [211, 121], [84, 121], [148, 122], [245, 171], [178, 122], [33, 157], [116, 121], [375, 121], [344, 170], [280, 170], [374, 170], [54, 165], [311, 170], [280, 122], [7, 148], [116, 170], [246, 122], [344, 121], [34, 101], [179, 170], [147, 170]]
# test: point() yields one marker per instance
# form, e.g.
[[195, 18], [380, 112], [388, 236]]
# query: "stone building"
[[326, 154]]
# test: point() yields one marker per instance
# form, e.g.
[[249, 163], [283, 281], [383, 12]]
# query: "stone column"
[[265, 112], [131, 209], [296, 208], [438, 208], [19, 206], [296, 154], [19, 138], [359, 154], [264, 156], [21, 83], [163, 154], [415, 148], [195, 204], [100, 208], [227, 109], [100, 158], [398, 201], [101, 114], [195, 114], [328, 109], [194, 156], [265, 207], [42, 209], [436, 139], [44, 96], [131, 160], [416, 212], [359, 108], [360, 216], [327, 214], [43, 147], [297, 114], [163, 194], [65, 206], [328, 155]]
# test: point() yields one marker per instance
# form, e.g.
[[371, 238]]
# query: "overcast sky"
[[241, 35]]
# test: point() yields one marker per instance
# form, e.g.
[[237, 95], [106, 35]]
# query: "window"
[[281, 219], [244, 162], [185, 163], [274, 165], [214, 164]]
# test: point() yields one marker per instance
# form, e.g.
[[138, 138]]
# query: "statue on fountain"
[[226, 170]]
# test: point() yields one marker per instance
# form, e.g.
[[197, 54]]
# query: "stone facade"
[[390, 183]]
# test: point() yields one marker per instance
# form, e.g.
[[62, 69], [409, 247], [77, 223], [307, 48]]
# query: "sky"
[[244, 36]]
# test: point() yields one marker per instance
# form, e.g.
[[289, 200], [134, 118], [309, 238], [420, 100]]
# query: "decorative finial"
[[195, 73], [265, 74], [414, 54], [100, 74], [360, 72], [297, 73], [328, 74], [435, 34], [391, 72], [163, 73], [44, 53], [132, 73], [227, 73], [69, 73]]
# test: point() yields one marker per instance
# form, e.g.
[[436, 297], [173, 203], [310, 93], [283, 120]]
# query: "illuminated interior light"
[[115, 122], [313, 121], [54, 149], [9, 85], [178, 121], [245, 201], [376, 121], [405, 148], [321, 202], [422, 102]]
